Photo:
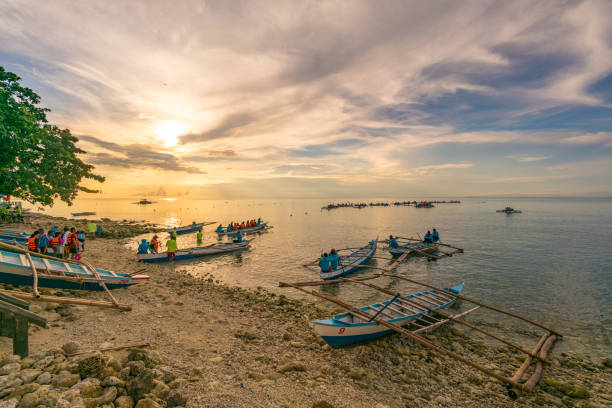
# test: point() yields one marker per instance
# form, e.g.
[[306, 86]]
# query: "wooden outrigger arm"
[[419, 339]]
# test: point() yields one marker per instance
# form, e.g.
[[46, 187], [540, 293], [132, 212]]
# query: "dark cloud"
[[228, 127], [135, 156]]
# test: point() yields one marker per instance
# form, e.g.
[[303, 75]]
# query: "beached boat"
[[189, 228], [348, 328], [7, 237], [413, 248], [83, 214], [509, 210], [196, 252], [350, 263], [256, 228], [15, 269], [24, 234]]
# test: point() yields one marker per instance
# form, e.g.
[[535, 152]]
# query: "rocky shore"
[[218, 346]]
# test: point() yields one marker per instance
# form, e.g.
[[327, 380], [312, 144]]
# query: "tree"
[[38, 162]]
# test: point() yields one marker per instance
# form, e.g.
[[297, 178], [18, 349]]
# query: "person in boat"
[[427, 238], [393, 242], [435, 237], [258, 221], [199, 237], [324, 263], [174, 234], [73, 243], [53, 230], [220, 228], [229, 227], [33, 242], [193, 223], [242, 225], [154, 244], [334, 259], [171, 248], [238, 237], [144, 247]]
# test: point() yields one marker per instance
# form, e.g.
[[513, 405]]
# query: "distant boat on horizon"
[[144, 201]]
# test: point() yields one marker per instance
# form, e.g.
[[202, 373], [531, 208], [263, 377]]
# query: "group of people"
[[329, 262], [429, 238], [232, 226], [11, 213], [66, 244]]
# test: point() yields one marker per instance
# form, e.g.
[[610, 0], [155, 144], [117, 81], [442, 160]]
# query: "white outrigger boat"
[[196, 252], [350, 328]]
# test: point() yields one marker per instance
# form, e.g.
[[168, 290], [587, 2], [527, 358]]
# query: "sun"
[[169, 131]]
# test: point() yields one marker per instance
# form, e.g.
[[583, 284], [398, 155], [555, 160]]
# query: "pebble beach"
[[203, 343]]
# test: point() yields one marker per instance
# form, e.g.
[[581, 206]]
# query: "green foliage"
[[38, 162]]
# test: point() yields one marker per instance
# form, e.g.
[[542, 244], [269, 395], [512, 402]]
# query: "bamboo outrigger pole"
[[476, 302], [414, 301], [419, 339], [65, 300]]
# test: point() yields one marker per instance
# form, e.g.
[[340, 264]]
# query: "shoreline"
[[237, 347]]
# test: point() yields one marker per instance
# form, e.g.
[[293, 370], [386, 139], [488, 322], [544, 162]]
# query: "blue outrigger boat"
[[196, 252], [15, 269], [350, 263], [189, 228], [348, 328], [10, 238]]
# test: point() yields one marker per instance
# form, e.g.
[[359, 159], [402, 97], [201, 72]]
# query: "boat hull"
[[336, 333], [361, 257], [195, 252], [11, 238]]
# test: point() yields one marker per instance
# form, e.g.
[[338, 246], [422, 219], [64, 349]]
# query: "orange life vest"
[[32, 244], [54, 242]]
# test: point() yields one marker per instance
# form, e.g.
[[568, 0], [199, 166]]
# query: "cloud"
[[135, 156], [373, 88], [528, 159]]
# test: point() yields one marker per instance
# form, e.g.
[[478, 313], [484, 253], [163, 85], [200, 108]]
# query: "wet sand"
[[239, 348]]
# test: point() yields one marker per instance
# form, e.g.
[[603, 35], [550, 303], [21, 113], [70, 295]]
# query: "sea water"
[[551, 263]]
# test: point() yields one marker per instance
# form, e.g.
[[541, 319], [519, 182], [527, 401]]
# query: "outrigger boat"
[[351, 263], [424, 204], [196, 252], [83, 214], [348, 328], [413, 248], [509, 210], [16, 269], [259, 227], [189, 228], [10, 237]]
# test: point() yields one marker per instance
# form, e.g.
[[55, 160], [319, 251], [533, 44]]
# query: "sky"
[[242, 99]]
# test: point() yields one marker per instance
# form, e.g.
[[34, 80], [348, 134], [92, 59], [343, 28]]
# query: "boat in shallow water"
[[196, 252], [15, 269], [413, 248], [189, 228], [509, 210], [350, 263], [83, 214], [259, 227], [348, 328]]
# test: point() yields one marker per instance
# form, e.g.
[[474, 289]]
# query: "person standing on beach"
[[171, 248], [73, 243], [199, 237], [154, 244], [91, 229], [43, 241], [65, 239], [33, 242]]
